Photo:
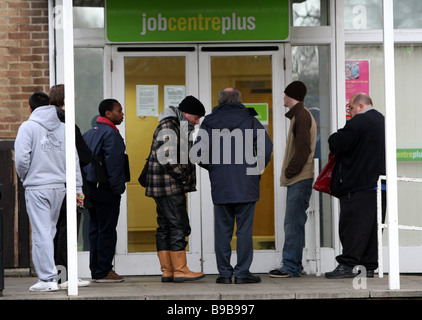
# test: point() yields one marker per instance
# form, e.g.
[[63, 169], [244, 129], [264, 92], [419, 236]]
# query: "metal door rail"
[[312, 227]]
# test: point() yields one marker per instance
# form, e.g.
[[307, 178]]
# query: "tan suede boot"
[[166, 266], [181, 271]]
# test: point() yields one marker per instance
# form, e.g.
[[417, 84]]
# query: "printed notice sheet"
[[147, 100], [173, 95]]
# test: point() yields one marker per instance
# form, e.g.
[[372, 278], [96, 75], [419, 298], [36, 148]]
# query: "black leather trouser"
[[173, 223]]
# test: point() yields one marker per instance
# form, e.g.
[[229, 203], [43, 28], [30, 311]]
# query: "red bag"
[[322, 182]]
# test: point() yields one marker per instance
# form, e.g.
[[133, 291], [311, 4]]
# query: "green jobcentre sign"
[[197, 21], [409, 154]]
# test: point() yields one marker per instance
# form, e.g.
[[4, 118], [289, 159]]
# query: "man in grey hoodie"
[[40, 160]]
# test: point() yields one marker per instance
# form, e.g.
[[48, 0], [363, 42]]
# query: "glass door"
[[147, 80], [258, 73]]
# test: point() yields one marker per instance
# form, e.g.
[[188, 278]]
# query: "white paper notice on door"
[[173, 95], [147, 100]]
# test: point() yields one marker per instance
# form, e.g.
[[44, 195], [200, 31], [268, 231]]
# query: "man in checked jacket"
[[170, 176]]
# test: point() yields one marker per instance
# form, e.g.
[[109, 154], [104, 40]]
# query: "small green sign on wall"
[[197, 21], [261, 109]]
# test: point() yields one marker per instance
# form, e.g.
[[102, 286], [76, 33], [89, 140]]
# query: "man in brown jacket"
[[297, 175], [170, 176]]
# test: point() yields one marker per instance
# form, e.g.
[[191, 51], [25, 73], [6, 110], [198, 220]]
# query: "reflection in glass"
[[308, 13], [367, 14], [311, 66], [362, 14], [88, 85], [88, 17], [407, 14], [88, 94]]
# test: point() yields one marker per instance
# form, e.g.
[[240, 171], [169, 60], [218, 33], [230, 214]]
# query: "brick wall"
[[24, 59]]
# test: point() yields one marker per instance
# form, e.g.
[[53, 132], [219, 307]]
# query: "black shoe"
[[342, 271], [223, 280], [369, 273], [277, 273], [250, 278]]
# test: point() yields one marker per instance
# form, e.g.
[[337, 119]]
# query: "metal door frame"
[[141, 263], [263, 260]]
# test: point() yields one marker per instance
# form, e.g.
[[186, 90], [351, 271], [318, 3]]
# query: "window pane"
[[88, 85], [408, 61], [407, 14], [88, 17], [367, 14], [310, 13], [311, 65], [362, 14], [375, 56], [408, 68], [88, 95]]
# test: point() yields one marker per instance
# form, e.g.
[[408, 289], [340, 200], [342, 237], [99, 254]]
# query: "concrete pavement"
[[306, 287]]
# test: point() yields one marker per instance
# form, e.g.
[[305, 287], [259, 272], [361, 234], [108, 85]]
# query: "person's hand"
[[80, 197]]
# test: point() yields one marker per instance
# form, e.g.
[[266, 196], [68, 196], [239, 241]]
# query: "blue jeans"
[[224, 219], [297, 202]]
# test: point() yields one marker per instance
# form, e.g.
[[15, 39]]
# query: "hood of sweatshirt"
[[174, 112], [46, 116], [168, 113]]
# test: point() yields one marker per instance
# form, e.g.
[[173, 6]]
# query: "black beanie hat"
[[192, 105], [296, 90]]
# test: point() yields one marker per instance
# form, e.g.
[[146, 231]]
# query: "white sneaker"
[[43, 286], [81, 283]]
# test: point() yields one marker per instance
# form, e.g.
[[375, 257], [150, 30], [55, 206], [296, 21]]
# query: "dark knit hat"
[[296, 90], [192, 105]]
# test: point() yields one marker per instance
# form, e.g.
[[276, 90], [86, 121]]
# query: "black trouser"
[[225, 216], [173, 223], [358, 228], [104, 215], [60, 240]]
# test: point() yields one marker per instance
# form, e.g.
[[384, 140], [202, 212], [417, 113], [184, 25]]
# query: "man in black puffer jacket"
[[360, 151]]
